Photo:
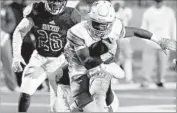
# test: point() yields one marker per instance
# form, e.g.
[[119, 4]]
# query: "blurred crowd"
[[157, 17]]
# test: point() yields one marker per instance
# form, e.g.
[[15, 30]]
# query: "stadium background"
[[132, 98]]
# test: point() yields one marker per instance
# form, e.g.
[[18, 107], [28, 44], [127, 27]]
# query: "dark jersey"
[[51, 30]]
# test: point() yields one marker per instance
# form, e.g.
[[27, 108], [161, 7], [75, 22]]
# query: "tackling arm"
[[141, 33]]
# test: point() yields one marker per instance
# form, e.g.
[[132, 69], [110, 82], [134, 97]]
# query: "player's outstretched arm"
[[165, 44], [141, 33], [21, 30]]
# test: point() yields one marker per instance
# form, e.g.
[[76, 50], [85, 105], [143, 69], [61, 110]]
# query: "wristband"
[[99, 68], [106, 56], [155, 38]]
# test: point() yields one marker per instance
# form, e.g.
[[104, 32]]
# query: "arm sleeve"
[[118, 29], [21, 30], [141, 33]]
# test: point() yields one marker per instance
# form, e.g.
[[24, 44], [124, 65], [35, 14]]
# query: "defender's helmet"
[[101, 18], [55, 6]]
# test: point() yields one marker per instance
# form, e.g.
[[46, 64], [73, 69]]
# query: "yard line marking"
[[148, 108], [139, 108], [152, 106], [16, 104], [145, 97]]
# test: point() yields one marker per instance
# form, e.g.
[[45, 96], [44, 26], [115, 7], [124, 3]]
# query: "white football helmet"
[[101, 17], [55, 6]]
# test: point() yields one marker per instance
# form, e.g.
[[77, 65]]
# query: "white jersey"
[[79, 36]]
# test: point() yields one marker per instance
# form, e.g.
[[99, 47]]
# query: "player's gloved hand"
[[112, 48], [165, 44], [168, 44], [111, 45], [18, 64]]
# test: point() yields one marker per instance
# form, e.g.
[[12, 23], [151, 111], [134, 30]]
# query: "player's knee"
[[99, 86]]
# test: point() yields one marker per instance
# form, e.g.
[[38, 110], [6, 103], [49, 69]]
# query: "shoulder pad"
[[28, 9], [118, 29], [75, 36], [79, 29], [118, 23]]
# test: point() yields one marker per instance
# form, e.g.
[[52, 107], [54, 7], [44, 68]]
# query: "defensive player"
[[90, 49], [49, 22]]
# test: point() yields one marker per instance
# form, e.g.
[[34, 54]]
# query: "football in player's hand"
[[98, 48]]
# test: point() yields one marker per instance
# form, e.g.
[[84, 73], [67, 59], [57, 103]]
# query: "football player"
[[49, 21], [90, 51]]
